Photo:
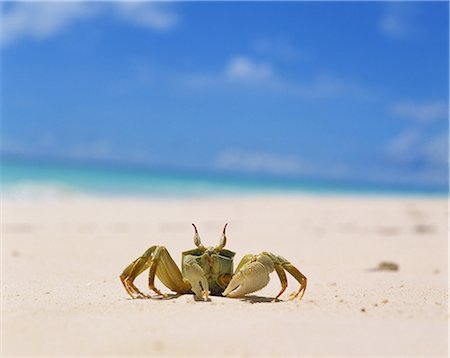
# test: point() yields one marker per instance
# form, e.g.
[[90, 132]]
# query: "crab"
[[209, 271]]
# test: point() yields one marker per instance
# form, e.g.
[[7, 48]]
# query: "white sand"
[[62, 260]]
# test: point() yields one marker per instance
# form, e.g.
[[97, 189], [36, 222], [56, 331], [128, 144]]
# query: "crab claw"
[[253, 276], [196, 277]]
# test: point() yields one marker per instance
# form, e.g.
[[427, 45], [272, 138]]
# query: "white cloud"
[[40, 20], [413, 158], [147, 14], [102, 149], [397, 21], [403, 148], [324, 86], [426, 155], [278, 48], [424, 112], [13, 146], [260, 162], [262, 76], [436, 150], [422, 177], [433, 150], [244, 68], [414, 146]]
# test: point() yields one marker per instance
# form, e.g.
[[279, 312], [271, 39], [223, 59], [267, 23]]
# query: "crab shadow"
[[258, 299], [249, 299], [166, 297]]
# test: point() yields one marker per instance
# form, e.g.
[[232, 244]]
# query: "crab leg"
[[283, 279], [282, 263], [168, 273], [135, 269], [158, 259], [152, 272], [299, 277]]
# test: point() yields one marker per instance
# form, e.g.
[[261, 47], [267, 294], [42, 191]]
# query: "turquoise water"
[[22, 178]]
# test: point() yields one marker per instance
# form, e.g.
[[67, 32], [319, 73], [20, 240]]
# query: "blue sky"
[[348, 91]]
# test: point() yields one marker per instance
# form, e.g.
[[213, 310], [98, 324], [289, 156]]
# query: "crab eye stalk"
[[223, 240], [197, 240]]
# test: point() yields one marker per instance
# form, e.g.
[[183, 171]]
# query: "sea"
[[58, 179]]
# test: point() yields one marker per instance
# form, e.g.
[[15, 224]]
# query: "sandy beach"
[[61, 261]]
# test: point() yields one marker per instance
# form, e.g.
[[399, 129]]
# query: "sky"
[[352, 91]]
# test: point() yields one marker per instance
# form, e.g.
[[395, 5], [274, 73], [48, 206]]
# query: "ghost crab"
[[209, 270]]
